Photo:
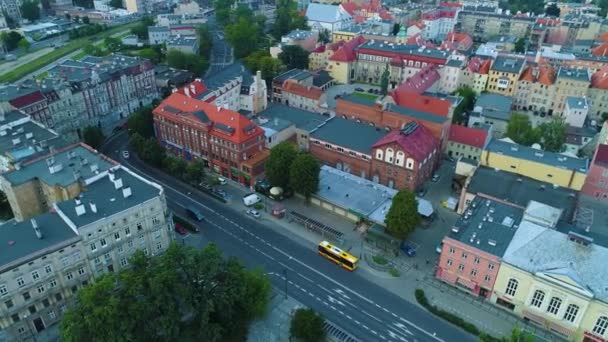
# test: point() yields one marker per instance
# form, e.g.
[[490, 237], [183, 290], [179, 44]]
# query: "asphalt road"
[[360, 307]]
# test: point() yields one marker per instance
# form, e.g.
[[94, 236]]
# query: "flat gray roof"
[[349, 133], [76, 158], [495, 105], [18, 239], [24, 137], [539, 156], [108, 199], [303, 119], [487, 225], [521, 190]]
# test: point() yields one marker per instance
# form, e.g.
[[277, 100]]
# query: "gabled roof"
[[324, 13], [311, 92], [457, 41], [468, 135], [419, 83], [423, 103], [346, 53], [599, 79], [414, 139], [234, 126], [348, 134], [350, 7], [193, 89], [603, 37], [484, 68], [601, 50]]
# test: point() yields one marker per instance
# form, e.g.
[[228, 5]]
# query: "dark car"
[[179, 229], [370, 90], [421, 192], [195, 213], [359, 89], [408, 249]]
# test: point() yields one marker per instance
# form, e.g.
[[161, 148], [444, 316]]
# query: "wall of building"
[[596, 184], [340, 160], [400, 172], [493, 83], [339, 71], [456, 150]]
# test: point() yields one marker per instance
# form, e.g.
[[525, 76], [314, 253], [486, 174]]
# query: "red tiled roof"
[[601, 156], [346, 53], [599, 79], [457, 41], [292, 86], [439, 13], [419, 83], [359, 19], [350, 7], [548, 21], [419, 24], [546, 74], [418, 144], [601, 50], [527, 74], [193, 89], [180, 105], [603, 37], [385, 15], [454, 4], [468, 135], [27, 100], [484, 69], [423, 103], [319, 49]]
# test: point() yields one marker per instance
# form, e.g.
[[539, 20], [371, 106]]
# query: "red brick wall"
[[332, 157]]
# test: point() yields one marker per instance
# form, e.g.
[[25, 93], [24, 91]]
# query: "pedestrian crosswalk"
[[336, 334]]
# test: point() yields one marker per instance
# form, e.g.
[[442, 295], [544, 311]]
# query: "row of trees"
[[87, 30], [550, 135], [290, 169], [183, 294], [13, 39]]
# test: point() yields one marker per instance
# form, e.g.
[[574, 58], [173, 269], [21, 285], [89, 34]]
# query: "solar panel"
[[172, 109], [409, 128]]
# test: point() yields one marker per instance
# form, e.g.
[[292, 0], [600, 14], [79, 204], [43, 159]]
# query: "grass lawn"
[[366, 96], [54, 55]]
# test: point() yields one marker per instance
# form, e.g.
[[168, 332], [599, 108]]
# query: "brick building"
[[225, 140], [596, 183]]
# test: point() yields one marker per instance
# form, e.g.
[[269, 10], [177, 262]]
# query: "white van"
[[251, 199], [221, 180]]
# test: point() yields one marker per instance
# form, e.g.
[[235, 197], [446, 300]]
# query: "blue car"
[[409, 250]]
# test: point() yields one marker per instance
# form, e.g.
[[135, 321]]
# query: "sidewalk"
[[414, 272]]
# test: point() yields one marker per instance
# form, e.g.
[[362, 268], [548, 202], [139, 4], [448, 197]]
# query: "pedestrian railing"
[[316, 226]]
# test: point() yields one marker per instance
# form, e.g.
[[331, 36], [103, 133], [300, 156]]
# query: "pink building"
[[596, 183], [471, 254]]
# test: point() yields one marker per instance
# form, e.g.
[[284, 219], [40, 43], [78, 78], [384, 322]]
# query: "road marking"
[[348, 317], [365, 327], [333, 307], [374, 332], [370, 315], [280, 251]]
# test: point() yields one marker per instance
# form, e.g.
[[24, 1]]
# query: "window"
[[464, 255], [93, 247], [53, 283], [123, 262], [159, 246], [130, 243], [452, 250], [76, 256], [81, 270], [3, 290], [26, 296], [9, 304], [20, 281], [461, 267], [409, 163], [449, 262], [65, 261], [571, 312], [52, 314], [48, 269], [103, 242], [40, 288], [156, 221], [15, 318], [390, 154], [554, 305], [142, 241], [145, 251], [58, 297], [69, 275], [108, 257], [601, 325], [32, 309], [399, 159], [487, 278], [379, 154], [490, 266], [476, 260], [127, 231], [157, 234], [511, 287], [120, 249], [538, 298], [117, 236], [473, 272]]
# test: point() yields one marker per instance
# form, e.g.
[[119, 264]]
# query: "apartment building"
[[504, 74], [535, 89], [341, 64], [483, 25], [300, 76], [570, 82], [468, 142], [575, 111], [475, 74], [438, 22], [301, 96], [596, 183], [28, 98], [54, 254], [185, 44], [12, 8], [33, 187], [549, 167], [158, 34], [598, 94], [223, 139]]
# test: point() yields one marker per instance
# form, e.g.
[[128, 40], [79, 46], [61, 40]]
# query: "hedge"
[[448, 316]]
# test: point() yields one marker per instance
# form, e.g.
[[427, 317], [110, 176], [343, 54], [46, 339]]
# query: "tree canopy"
[[141, 122], [184, 294], [93, 136], [30, 10], [294, 57], [550, 135], [402, 217], [520, 45], [11, 39], [261, 60], [24, 45], [279, 162], [244, 35], [323, 36], [384, 79], [304, 174], [520, 130], [205, 41], [467, 104], [188, 61], [552, 10], [141, 29], [307, 326], [534, 6], [287, 19]]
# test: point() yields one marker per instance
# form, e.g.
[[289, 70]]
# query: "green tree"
[[384, 79], [30, 10], [141, 122], [152, 152], [86, 20], [195, 172], [180, 60], [24, 45], [93, 50], [520, 45], [5, 207], [93, 136], [152, 54], [294, 57], [603, 5], [116, 3], [279, 162], [552, 10], [402, 217], [112, 44], [552, 135], [175, 166], [261, 60], [304, 175], [468, 102], [205, 41], [223, 11], [11, 39], [323, 36], [287, 19], [307, 326], [244, 37], [184, 294], [396, 28], [68, 16], [519, 129]]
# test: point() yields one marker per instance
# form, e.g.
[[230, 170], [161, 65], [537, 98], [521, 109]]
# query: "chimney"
[[76, 174], [80, 209], [110, 174], [126, 191], [36, 228], [93, 206], [117, 183]]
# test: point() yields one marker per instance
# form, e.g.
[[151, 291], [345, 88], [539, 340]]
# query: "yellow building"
[[549, 167], [62, 175], [337, 36], [556, 280], [504, 74], [570, 82]]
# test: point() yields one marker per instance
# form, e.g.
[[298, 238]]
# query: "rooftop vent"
[[80, 209], [580, 239], [36, 228], [492, 242], [93, 206], [126, 191], [455, 229], [55, 168], [117, 183]]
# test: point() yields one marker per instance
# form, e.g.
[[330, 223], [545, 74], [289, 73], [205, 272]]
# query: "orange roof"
[[600, 79], [603, 37], [601, 50], [224, 123], [350, 7], [292, 86], [468, 135], [346, 53], [546, 74], [484, 69], [527, 74]]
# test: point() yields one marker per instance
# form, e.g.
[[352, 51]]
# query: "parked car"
[[179, 229], [435, 178], [408, 249], [421, 192], [370, 90], [195, 213], [222, 180], [253, 213], [220, 192], [125, 154], [360, 89], [439, 248]]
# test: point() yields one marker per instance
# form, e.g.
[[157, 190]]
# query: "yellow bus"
[[338, 256]]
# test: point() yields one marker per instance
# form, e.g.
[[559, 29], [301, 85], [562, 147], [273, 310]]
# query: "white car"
[[221, 180], [254, 213], [125, 154]]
